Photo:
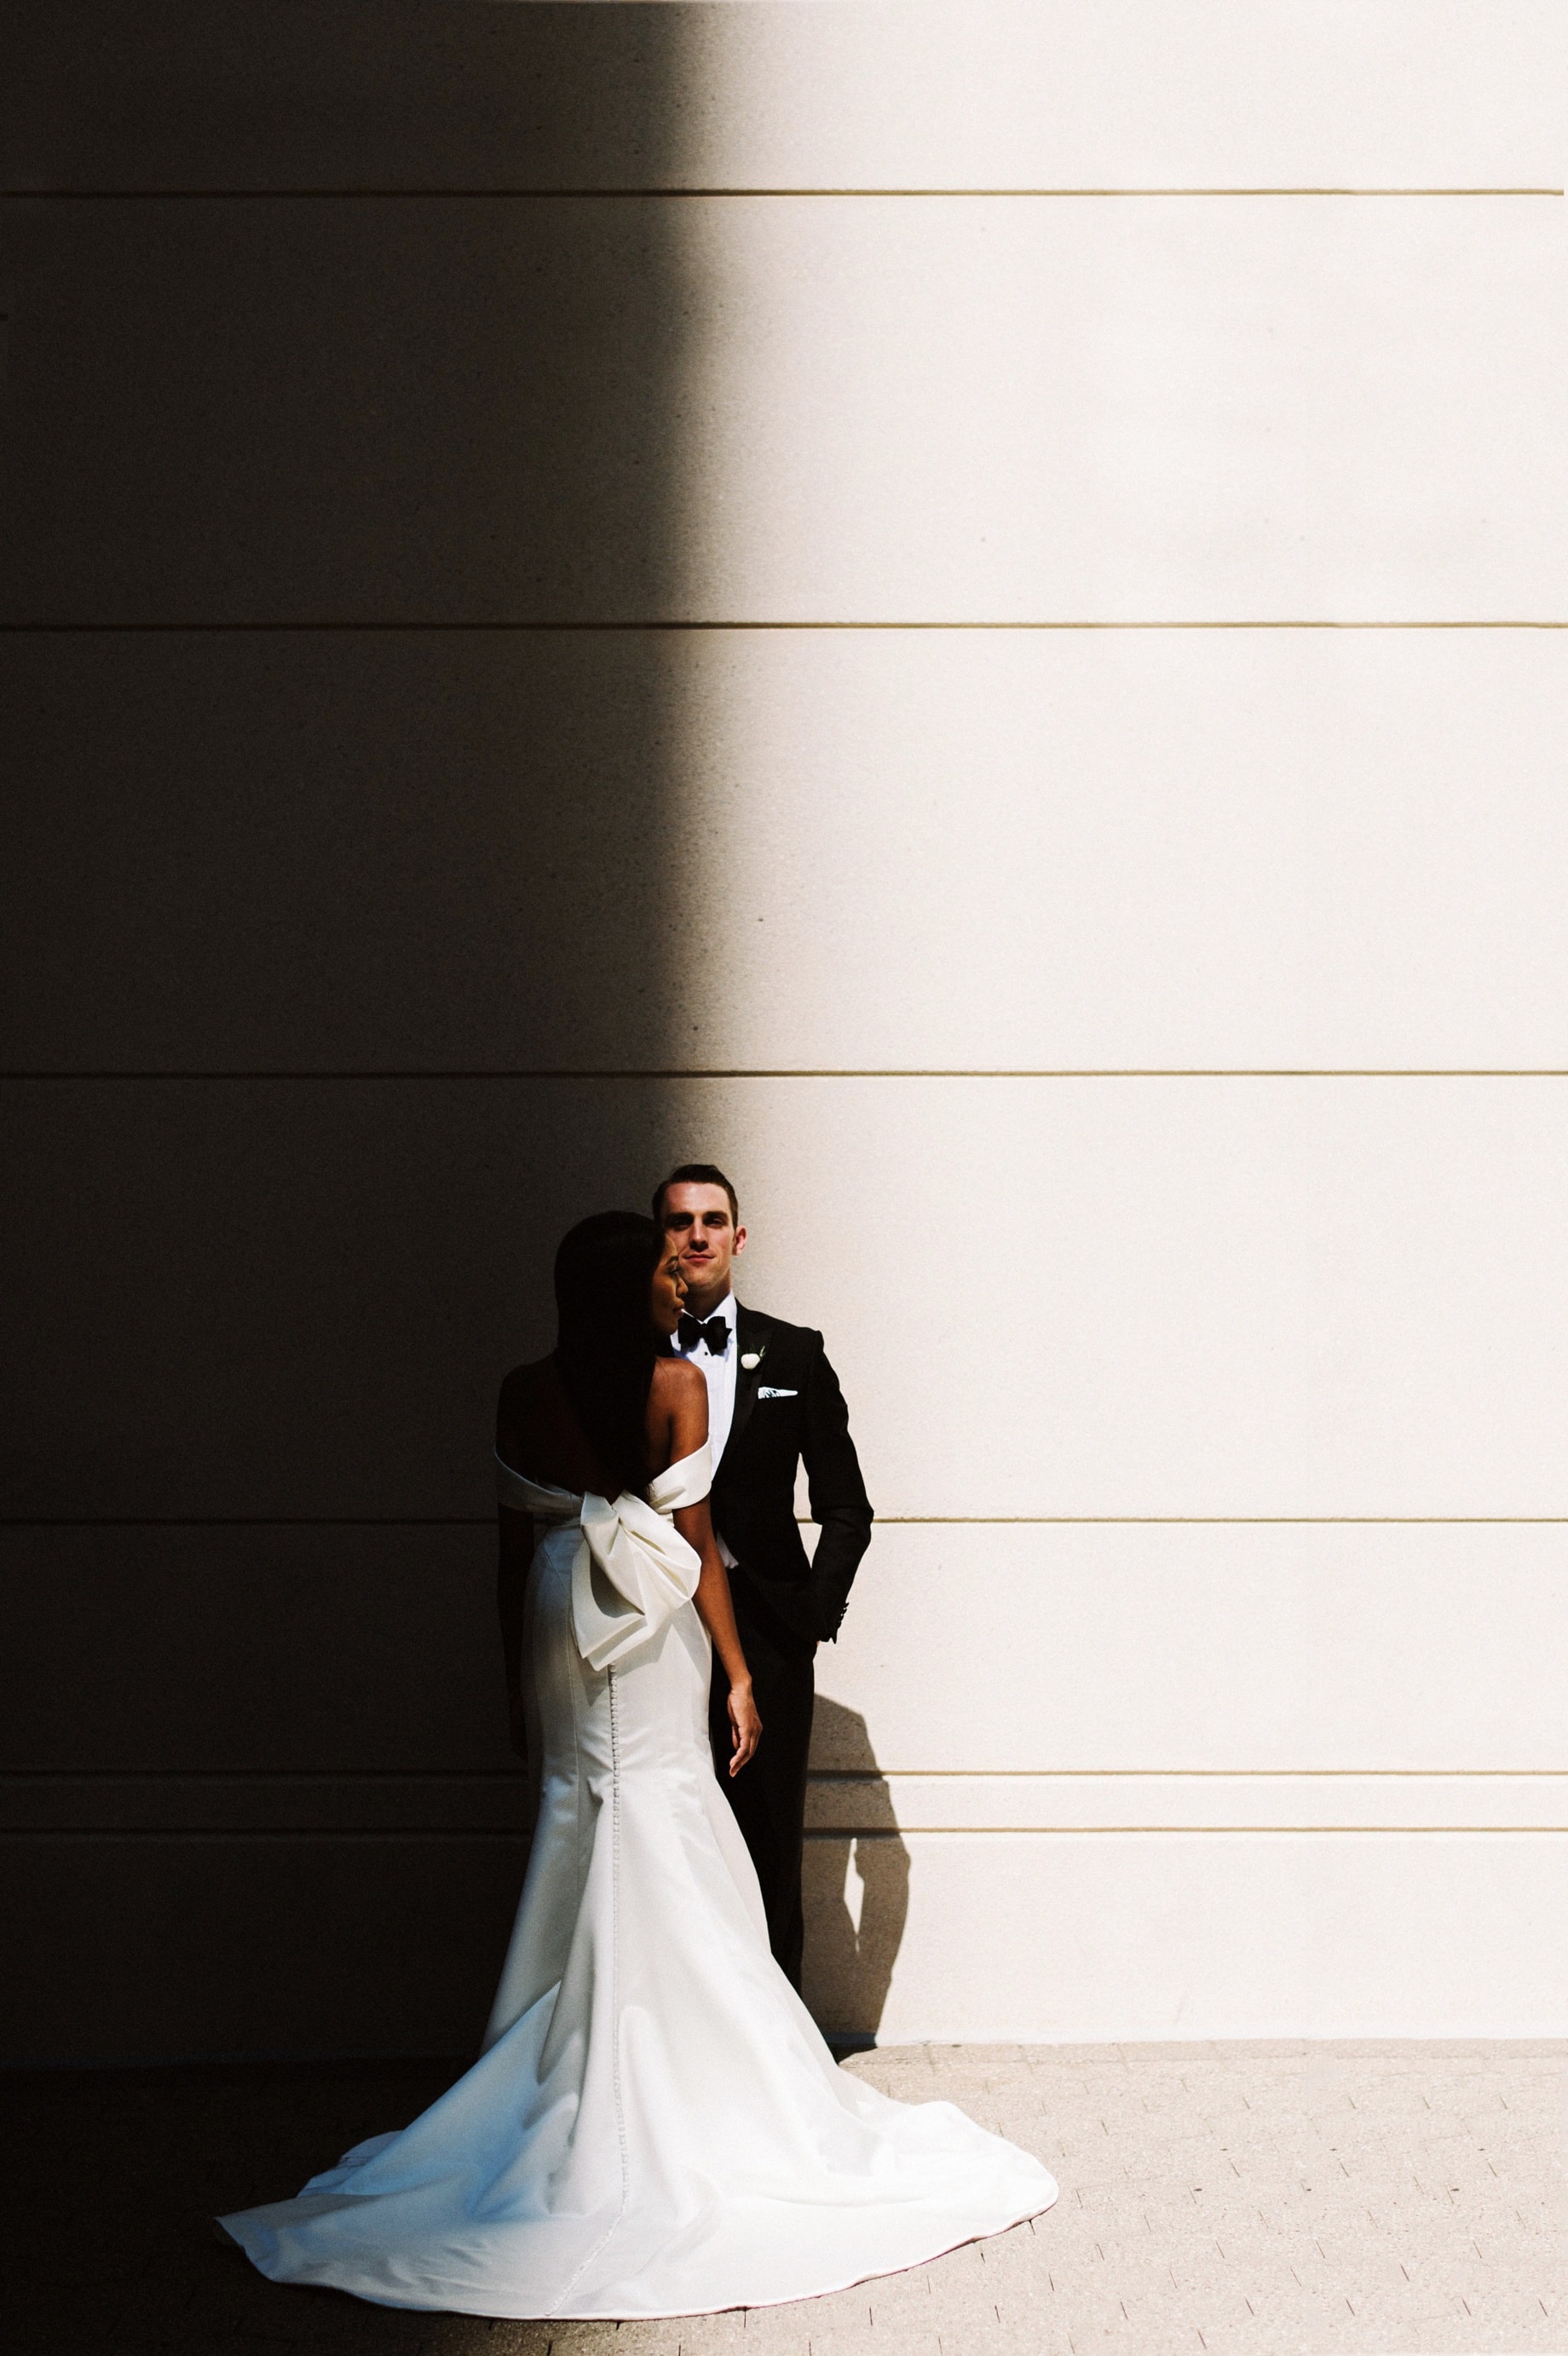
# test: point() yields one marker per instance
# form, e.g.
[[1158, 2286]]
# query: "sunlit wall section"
[[1126, 525]]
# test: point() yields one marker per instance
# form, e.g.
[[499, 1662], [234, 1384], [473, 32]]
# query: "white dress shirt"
[[718, 1374]]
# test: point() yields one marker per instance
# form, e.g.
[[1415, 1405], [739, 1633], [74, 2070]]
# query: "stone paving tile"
[[1381, 2200]]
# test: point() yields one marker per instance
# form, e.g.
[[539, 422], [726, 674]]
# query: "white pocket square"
[[766, 1390]]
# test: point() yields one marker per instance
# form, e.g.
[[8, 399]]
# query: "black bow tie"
[[714, 1331]]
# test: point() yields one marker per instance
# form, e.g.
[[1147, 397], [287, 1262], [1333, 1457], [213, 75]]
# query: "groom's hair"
[[695, 1174]]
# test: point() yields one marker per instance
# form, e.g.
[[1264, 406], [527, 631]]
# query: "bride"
[[653, 2126]]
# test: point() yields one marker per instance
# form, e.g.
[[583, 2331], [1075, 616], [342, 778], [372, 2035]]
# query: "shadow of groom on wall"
[[856, 1879]]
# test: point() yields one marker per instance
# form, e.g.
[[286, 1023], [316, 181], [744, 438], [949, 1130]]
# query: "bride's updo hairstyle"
[[605, 1344]]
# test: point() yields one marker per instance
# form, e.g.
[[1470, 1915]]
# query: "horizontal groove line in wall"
[[676, 195], [402, 1775], [247, 1521], [1093, 1832], [869, 1775], [885, 1521], [840, 1832], [1147, 1774], [647, 194], [842, 1072], [627, 626], [848, 1832], [283, 1832]]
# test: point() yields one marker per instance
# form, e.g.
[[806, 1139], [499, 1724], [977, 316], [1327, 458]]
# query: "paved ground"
[[1256, 2200]]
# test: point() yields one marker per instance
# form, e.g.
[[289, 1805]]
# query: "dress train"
[[654, 2126]]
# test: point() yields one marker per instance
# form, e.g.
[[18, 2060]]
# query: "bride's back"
[[537, 1433]]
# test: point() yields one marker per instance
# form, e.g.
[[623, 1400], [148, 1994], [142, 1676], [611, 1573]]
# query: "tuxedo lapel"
[[752, 1333]]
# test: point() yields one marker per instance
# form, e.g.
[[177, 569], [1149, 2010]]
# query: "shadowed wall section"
[[307, 430], [855, 1883]]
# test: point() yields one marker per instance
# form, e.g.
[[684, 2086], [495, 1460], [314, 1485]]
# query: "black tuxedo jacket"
[[789, 1407]]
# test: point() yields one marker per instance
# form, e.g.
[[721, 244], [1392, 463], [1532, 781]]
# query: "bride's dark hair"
[[605, 1344]]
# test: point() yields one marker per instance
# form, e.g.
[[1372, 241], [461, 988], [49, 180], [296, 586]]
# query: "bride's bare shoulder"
[[677, 1410], [529, 1381], [526, 1393], [675, 1379]]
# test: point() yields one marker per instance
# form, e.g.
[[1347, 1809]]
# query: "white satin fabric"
[[654, 2126]]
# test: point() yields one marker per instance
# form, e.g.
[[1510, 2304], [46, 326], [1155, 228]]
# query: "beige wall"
[[1134, 1036]]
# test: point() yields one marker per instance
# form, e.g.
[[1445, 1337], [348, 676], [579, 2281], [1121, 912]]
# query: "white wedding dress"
[[654, 2126]]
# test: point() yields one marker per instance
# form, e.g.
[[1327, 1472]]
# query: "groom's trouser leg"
[[769, 1796]]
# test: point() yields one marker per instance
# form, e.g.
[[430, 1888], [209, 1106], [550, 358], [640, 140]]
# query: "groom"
[[773, 1401]]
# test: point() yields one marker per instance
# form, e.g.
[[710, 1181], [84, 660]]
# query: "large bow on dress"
[[632, 1572]]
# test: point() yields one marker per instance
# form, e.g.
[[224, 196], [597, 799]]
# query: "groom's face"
[[698, 1222]]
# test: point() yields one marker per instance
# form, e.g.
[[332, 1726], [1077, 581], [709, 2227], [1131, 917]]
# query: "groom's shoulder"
[[776, 1332]]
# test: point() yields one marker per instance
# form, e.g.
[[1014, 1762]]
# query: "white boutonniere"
[[750, 1358]]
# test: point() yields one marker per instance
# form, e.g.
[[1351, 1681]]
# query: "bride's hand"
[[747, 1726]]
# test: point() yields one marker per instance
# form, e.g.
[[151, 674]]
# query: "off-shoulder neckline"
[[679, 1465]]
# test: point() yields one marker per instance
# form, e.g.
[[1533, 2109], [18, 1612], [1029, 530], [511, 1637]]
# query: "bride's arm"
[[688, 1398], [717, 1612]]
